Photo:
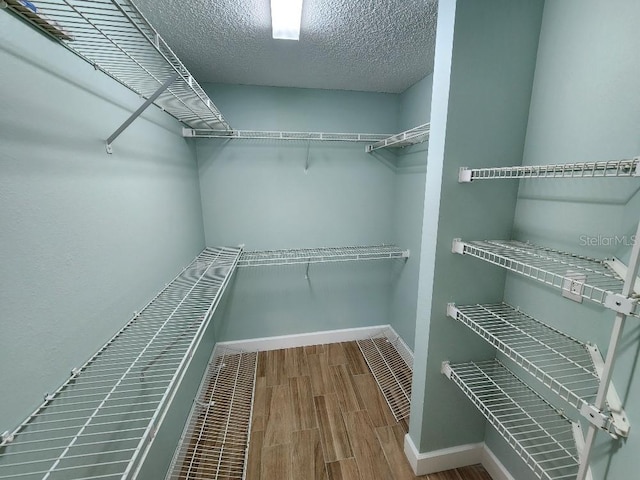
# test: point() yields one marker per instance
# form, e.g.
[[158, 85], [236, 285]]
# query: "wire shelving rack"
[[577, 276], [611, 168], [215, 442], [320, 255], [114, 37], [541, 435], [563, 364], [100, 423], [559, 361], [278, 135], [413, 136], [392, 371]]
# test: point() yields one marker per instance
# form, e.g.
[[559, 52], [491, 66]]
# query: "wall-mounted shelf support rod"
[[139, 111], [306, 164], [607, 372]]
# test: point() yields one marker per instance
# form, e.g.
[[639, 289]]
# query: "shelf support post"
[[139, 111], [616, 336]]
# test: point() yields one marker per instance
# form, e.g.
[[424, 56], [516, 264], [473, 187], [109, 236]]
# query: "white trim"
[[403, 349], [303, 339], [444, 459], [455, 457], [493, 466]]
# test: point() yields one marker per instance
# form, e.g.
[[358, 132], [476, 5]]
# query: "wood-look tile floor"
[[318, 415]]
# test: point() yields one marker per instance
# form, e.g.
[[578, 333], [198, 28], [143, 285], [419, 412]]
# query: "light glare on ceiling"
[[286, 16]]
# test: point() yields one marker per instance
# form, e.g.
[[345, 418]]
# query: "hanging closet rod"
[[114, 36], [278, 135], [413, 136], [320, 255], [612, 168], [104, 417]]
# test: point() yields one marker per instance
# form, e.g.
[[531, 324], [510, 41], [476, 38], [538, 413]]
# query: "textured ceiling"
[[369, 45]]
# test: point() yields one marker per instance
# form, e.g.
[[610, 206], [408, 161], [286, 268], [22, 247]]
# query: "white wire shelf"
[[277, 135], [392, 371], [578, 277], [561, 363], [115, 37], [541, 436], [319, 255], [214, 444], [611, 168], [414, 136], [102, 420]]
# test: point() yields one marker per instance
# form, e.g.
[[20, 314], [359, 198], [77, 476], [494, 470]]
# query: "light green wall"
[[585, 107], [415, 106], [86, 237], [485, 58], [257, 193]]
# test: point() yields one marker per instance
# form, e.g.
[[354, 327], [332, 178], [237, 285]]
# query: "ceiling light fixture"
[[286, 16]]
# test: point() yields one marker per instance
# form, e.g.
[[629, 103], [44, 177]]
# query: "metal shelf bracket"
[[6, 437], [597, 418], [139, 111], [620, 303], [445, 369], [457, 246], [578, 437], [452, 311], [619, 420], [464, 175]]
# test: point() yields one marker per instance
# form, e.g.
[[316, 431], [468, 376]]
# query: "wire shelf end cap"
[[452, 310], [6, 437], [457, 246], [464, 175]]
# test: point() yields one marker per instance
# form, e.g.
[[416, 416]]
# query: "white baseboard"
[[493, 466], [455, 457], [304, 339], [445, 459]]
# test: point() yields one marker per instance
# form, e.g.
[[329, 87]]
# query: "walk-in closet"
[[391, 240]]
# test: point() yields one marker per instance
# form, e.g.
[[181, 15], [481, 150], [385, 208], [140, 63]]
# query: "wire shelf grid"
[[115, 37], [100, 422], [588, 278], [413, 136], [214, 444], [392, 373], [541, 436], [278, 135], [610, 168], [319, 255], [560, 362]]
